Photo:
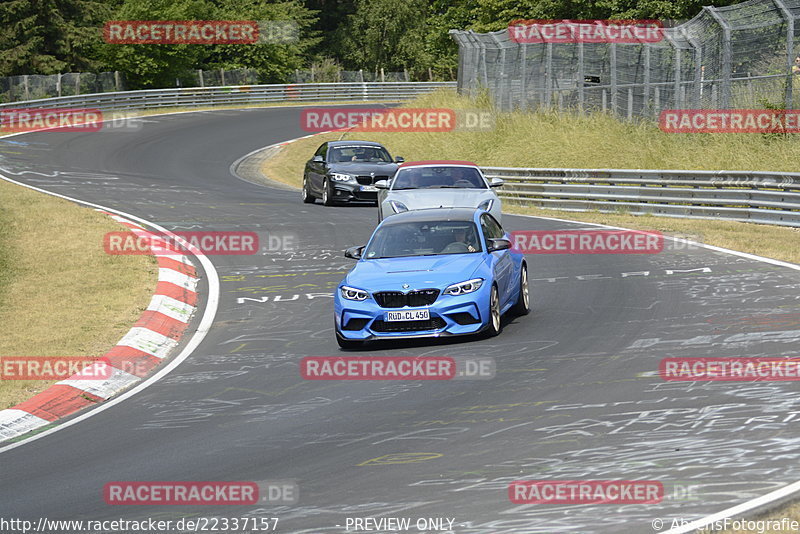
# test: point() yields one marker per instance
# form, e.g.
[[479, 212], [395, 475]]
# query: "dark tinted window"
[[360, 154], [321, 150], [423, 239], [438, 177], [491, 229]]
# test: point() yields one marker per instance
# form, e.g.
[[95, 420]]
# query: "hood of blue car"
[[418, 272]]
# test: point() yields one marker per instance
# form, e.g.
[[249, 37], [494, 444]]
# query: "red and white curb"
[[152, 338]]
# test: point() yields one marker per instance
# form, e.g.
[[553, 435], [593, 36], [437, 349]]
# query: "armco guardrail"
[[758, 197], [245, 95]]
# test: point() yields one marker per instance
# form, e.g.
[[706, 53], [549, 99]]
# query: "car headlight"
[[486, 205], [351, 293], [339, 177], [398, 206], [462, 288]]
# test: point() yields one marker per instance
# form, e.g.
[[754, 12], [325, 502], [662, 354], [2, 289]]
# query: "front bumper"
[[449, 316], [346, 192]]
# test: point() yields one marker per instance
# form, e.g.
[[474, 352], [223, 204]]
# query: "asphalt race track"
[[576, 395]]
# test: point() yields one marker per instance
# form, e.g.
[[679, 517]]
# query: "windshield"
[[438, 177], [361, 154], [423, 239]]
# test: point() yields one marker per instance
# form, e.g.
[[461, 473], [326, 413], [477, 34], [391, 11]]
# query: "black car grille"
[[356, 324], [398, 299], [369, 180], [464, 318], [434, 323]]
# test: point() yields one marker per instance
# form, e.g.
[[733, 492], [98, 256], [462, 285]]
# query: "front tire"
[[327, 195], [494, 326], [308, 198], [348, 343], [523, 304]]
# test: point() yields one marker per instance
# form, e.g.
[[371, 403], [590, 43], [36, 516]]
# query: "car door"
[[315, 171], [503, 264]]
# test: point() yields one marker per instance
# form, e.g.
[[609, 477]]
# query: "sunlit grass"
[[60, 293]]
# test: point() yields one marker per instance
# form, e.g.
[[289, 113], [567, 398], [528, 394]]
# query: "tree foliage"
[[49, 36]]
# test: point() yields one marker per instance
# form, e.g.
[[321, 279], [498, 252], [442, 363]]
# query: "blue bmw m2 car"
[[430, 273]]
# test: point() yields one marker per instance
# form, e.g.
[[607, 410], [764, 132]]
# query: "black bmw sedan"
[[345, 171]]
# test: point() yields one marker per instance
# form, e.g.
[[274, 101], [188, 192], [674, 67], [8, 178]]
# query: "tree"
[[157, 65], [50, 36], [274, 60], [386, 34]]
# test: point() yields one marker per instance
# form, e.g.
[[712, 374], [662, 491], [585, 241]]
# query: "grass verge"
[[60, 293], [590, 141]]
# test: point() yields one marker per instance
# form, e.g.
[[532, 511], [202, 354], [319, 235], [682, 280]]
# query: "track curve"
[[576, 396]]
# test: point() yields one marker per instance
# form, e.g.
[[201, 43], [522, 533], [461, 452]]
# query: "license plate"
[[408, 315], [369, 188]]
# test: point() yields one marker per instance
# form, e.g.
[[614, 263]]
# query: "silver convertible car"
[[437, 184]]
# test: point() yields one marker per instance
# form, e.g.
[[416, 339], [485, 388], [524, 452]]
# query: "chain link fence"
[[740, 56], [335, 76], [34, 86], [221, 78]]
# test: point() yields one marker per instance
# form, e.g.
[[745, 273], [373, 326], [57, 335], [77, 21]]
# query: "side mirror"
[[499, 244], [382, 184], [318, 159], [354, 253], [399, 159], [496, 182]]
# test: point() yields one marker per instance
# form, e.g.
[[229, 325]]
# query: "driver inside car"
[[360, 155], [460, 242]]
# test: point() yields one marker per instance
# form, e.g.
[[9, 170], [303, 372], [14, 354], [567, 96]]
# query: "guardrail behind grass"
[[758, 197]]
